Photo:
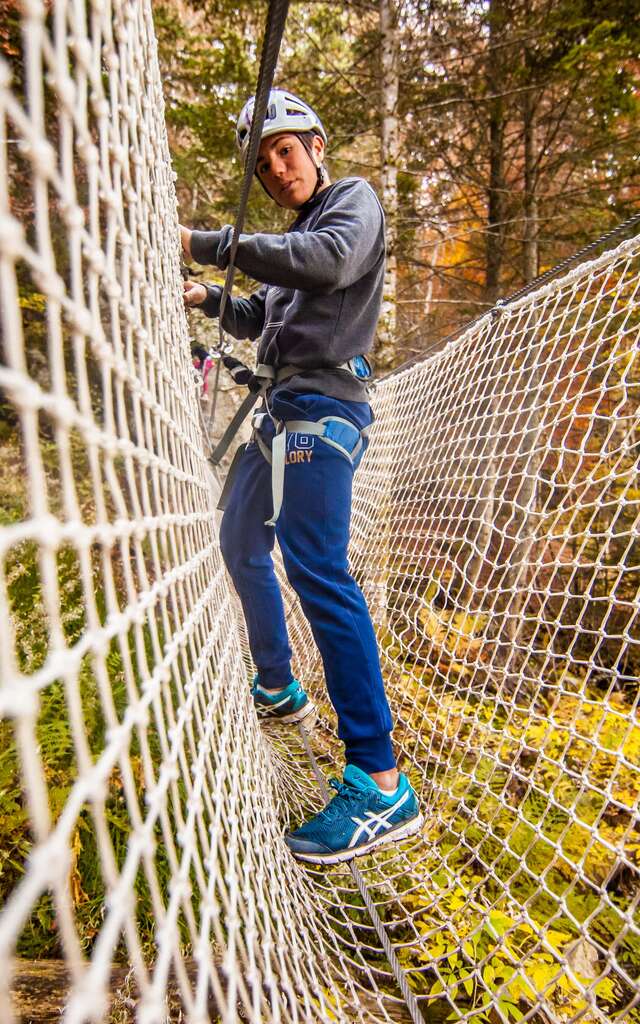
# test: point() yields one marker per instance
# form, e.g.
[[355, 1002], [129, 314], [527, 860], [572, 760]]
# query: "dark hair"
[[306, 138]]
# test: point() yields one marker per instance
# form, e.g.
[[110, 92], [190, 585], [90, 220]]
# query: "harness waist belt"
[[269, 375]]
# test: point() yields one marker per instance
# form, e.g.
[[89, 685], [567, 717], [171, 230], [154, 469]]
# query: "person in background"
[[203, 361]]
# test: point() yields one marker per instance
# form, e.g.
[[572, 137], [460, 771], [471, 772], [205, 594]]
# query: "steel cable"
[[274, 30]]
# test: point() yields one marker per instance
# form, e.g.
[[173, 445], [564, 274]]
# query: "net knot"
[[65, 412], [89, 152], [82, 319], [26, 393], [51, 284], [99, 104], [42, 156], [11, 236], [71, 214], [113, 289], [48, 531], [52, 860], [83, 52], [96, 259], [65, 90]]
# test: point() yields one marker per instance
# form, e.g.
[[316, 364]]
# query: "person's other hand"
[[194, 294], [185, 241]]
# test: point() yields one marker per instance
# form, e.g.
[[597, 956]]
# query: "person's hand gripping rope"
[[194, 294]]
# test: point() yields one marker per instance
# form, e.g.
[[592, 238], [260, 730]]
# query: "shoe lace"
[[346, 796]]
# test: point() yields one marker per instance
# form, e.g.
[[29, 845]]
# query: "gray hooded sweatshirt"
[[321, 287]]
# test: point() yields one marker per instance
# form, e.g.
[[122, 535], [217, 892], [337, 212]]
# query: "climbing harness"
[[515, 694], [334, 431]]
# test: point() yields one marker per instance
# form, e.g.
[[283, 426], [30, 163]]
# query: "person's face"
[[286, 169]]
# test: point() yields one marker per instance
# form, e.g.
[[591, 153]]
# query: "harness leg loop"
[[278, 457]]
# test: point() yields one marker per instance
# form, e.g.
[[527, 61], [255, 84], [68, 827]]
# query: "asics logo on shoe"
[[268, 709], [357, 821], [375, 823], [289, 705]]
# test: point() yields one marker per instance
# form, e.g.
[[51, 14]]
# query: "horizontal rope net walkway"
[[495, 535]]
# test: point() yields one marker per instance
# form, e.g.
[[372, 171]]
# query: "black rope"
[[274, 30], [538, 282], [577, 257]]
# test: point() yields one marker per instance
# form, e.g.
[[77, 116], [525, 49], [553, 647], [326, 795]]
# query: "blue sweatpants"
[[313, 535]]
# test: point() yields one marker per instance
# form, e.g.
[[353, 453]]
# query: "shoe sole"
[[296, 716], [403, 831]]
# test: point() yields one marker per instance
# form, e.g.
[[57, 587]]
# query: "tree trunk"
[[40, 991], [435, 256], [495, 190], [385, 348], [530, 246], [527, 419]]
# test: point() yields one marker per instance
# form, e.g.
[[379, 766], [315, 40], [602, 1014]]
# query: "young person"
[[316, 316]]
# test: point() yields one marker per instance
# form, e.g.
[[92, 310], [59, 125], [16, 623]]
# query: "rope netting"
[[495, 535]]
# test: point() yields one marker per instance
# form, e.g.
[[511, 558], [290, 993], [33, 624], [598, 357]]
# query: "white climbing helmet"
[[285, 113]]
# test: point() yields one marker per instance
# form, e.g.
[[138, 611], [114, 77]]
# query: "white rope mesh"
[[495, 535], [496, 518]]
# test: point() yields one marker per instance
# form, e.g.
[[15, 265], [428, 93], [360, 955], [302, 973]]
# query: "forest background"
[[500, 136]]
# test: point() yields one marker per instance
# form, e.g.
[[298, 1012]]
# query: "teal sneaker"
[[290, 705], [360, 818]]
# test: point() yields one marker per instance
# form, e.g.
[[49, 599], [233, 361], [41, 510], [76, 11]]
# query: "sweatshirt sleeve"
[[344, 244], [243, 318]]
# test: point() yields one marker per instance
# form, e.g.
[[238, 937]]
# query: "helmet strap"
[[307, 141], [256, 175]]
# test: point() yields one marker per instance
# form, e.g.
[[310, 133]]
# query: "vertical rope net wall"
[[495, 535]]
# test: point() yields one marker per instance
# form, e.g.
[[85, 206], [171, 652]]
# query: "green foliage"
[[544, 799], [55, 730], [537, 806], [575, 58], [548, 840]]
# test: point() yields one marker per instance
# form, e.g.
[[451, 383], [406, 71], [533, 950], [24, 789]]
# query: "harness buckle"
[[360, 367]]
